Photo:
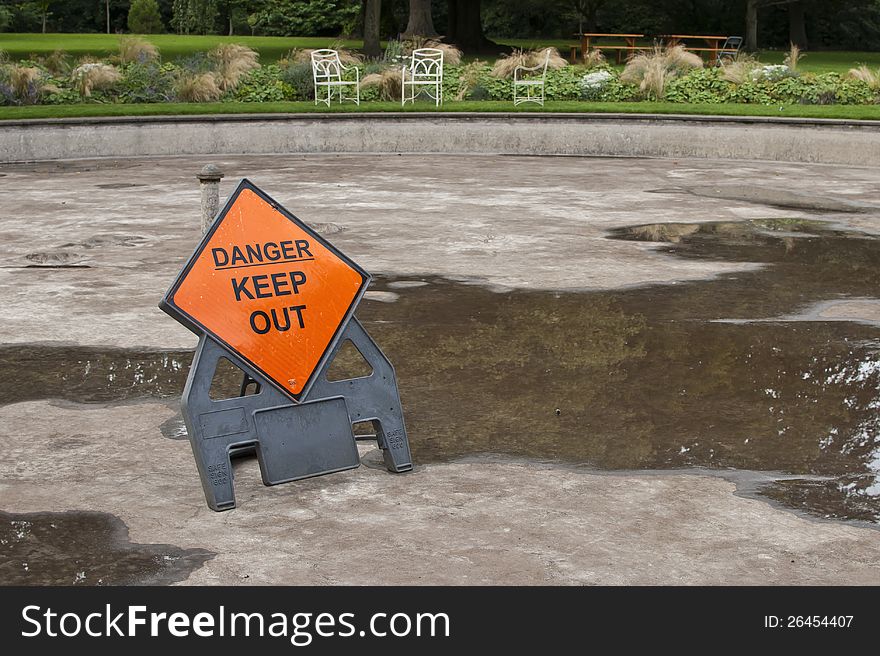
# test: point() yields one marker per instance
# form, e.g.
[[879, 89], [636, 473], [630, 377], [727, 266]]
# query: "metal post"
[[209, 182]]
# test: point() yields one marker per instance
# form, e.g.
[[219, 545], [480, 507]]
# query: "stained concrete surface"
[[769, 138], [87, 257]]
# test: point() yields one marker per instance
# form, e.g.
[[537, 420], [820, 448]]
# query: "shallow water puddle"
[[659, 377], [85, 548]]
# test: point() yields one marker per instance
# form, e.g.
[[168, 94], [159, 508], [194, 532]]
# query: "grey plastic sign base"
[[292, 440], [370, 398]]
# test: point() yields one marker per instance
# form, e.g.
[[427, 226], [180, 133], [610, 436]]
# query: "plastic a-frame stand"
[[292, 440]]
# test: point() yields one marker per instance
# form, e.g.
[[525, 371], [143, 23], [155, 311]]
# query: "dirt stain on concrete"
[[661, 377], [86, 548]]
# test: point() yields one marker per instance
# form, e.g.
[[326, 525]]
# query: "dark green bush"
[[144, 17], [701, 86], [264, 85], [299, 78], [148, 82]]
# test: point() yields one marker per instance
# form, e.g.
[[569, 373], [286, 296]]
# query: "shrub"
[[822, 89], [371, 90], [866, 75], [506, 65], [232, 61], [264, 85], [469, 79], [298, 76], [195, 63], [652, 71], [594, 58], [58, 63], [144, 17], [94, 77], [772, 73], [393, 52], [592, 84], [20, 84], [135, 49], [199, 87], [7, 96], [563, 84], [59, 96], [702, 86], [793, 57], [451, 54], [479, 92], [385, 85], [148, 82], [753, 92], [854, 92], [617, 91], [739, 69]]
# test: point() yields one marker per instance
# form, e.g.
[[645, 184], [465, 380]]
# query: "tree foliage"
[[306, 17], [144, 17], [837, 24], [194, 16]]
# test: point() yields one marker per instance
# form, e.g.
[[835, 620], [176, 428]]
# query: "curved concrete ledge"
[[855, 143]]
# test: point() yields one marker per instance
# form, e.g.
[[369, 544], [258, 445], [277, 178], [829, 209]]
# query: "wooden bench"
[[587, 44], [631, 47], [714, 43], [574, 58]]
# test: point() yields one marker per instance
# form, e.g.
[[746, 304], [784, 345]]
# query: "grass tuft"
[[506, 64], [198, 88], [388, 82], [137, 50], [94, 76], [739, 69], [793, 57], [866, 75], [232, 62], [652, 70]]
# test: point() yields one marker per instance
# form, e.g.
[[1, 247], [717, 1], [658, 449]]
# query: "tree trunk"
[[751, 26], [372, 14], [593, 15], [466, 26], [107, 7], [420, 21], [797, 25], [592, 18], [45, 14]]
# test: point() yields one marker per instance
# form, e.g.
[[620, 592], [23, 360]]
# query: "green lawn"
[[271, 48], [172, 46], [867, 112], [820, 62], [815, 62]]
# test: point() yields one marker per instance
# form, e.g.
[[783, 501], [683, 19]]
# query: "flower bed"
[[231, 73]]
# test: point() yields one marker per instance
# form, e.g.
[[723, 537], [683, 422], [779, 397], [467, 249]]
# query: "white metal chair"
[[328, 71], [526, 84], [424, 72]]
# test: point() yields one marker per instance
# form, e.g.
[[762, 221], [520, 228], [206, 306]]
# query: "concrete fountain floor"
[[515, 259]]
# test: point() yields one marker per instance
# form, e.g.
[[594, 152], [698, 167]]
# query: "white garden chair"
[[527, 86], [424, 72], [327, 72]]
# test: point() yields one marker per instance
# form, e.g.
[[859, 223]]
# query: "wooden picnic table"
[[714, 43], [587, 39]]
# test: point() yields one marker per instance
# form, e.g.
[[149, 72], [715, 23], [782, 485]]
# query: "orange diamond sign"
[[269, 288]]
